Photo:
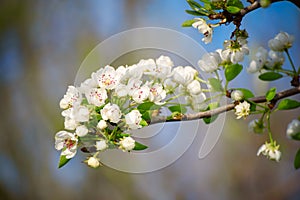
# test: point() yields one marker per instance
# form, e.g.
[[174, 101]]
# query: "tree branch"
[[228, 107]]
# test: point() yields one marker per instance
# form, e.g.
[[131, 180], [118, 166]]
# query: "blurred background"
[[42, 44]]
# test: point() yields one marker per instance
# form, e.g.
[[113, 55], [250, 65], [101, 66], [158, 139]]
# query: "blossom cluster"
[[102, 111], [273, 59]]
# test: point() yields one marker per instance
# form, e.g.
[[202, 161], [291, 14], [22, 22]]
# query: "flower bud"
[[293, 130], [265, 3], [237, 95], [256, 126], [93, 162], [102, 124]]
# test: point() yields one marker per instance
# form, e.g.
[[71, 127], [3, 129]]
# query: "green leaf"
[[188, 23], [192, 12], [178, 108], [235, 3], [205, 1], [271, 94], [233, 9], [63, 161], [146, 115], [247, 93], [270, 76], [231, 71], [143, 123], [211, 106], [287, 104], [138, 146], [215, 84], [194, 4], [297, 160], [147, 106]]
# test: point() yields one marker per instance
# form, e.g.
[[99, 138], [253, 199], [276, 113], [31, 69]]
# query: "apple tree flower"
[[194, 87], [111, 112], [67, 142], [293, 130], [281, 42], [102, 124], [210, 62], [259, 60], [157, 93], [107, 77], [71, 97], [237, 95], [139, 95], [96, 96], [235, 50], [203, 28], [275, 59], [242, 110], [101, 145], [127, 143], [133, 119], [93, 162], [81, 130], [184, 75], [271, 150]]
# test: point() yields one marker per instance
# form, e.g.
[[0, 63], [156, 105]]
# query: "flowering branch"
[[228, 107]]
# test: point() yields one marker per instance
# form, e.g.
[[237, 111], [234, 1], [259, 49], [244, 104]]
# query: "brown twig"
[[228, 107]]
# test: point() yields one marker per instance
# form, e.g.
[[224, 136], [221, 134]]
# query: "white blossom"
[[107, 77], [101, 145], [293, 130], [169, 85], [157, 93], [141, 94], [133, 119], [81, 130], [276, 58], [127, 143], [237, 95], [87, 85], [71, 97], [102, 124], [93, 162], [74, 115], [67, 142], [184, 75], [271, 150], [164, 66], [148, 65], [210, 62], [242, 109], [234, 51], [259, 60], [194, 87], [203, 28], [96, 96], [111, 112], [197, 101], [281, 41]]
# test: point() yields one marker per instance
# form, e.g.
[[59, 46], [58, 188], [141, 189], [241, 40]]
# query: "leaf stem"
[[291, 61]]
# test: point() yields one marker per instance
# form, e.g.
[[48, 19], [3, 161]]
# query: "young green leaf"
[[178, 108], [215, 84], [297, 160], [188, 23], [271, 94], [247, 93], [233, 9], [287, 104], [231, 71], [270, 76], [147, 106], [205, 1], [138, 146], [63, 161], [143, 123], [194, 4], [195, 13], [211, 106], [235, 3]]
